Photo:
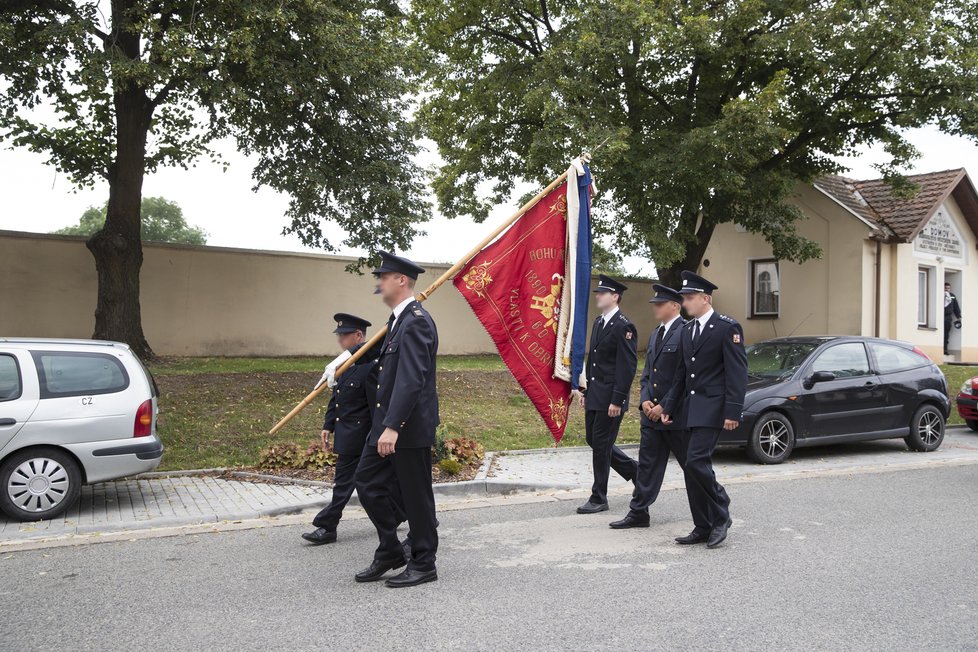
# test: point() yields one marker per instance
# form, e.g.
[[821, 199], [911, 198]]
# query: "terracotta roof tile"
[[903, 217]]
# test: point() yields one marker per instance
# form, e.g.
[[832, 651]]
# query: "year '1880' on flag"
[[526, 286]]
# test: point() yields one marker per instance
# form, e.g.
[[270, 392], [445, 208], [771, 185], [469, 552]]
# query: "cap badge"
[[339, 323], [685, 282]]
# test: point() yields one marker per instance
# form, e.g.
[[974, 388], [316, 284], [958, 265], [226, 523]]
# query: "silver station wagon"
[[72, 412]]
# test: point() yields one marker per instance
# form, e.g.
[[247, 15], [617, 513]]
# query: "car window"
[[78, 374], [9, 378], [777, 359], [844, 360], [890, 358]]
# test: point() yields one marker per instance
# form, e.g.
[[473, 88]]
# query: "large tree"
[[313, 89], [715, 109], [161, 220]]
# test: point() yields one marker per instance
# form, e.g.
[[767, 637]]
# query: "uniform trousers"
[[344, 482], [601, 431], [653, 456], [708, 500], [379, 479]]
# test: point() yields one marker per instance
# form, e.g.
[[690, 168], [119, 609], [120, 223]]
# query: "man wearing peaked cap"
[[610, 368], [708, 396], [397, 457], [658, 439], [347, 420]]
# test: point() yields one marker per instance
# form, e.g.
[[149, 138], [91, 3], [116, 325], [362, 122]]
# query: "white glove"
[[330, 372]]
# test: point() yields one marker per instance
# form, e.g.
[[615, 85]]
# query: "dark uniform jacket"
[[611, 363], [348, 414], [660, 373], [407, 399], [711, 376], [952, 310]]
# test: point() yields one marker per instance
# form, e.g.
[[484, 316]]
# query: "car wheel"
[[972, 424], [772, 439], [38, 483], [926, 429]]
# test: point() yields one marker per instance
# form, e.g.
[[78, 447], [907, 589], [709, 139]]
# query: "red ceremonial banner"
[[514, 287]]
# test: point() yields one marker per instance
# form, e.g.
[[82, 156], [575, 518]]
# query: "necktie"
[[658, 338], [696, 330], [390, 325]]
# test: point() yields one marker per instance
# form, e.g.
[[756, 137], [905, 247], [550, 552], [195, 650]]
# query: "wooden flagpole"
[[421, 296]]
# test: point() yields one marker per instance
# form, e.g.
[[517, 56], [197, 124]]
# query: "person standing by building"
[[347, 421], [398, 452], [658, 439], [952, 314], [709, 397], [610, 369]]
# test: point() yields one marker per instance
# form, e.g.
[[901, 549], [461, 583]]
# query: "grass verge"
[[216, 412]]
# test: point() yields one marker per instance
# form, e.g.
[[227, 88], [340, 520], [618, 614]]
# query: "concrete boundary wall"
[[218, 301]]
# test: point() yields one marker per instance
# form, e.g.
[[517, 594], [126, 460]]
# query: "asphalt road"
[[865, 561]]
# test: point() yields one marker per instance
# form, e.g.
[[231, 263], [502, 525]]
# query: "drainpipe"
[[879, 273]]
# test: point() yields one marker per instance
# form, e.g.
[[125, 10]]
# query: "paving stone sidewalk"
[[571, 467], [154, 502], [163, 502]]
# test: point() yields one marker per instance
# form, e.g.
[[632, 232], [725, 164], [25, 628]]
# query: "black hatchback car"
[[806, 391]]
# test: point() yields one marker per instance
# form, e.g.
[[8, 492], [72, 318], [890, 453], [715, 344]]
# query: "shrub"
[[292, 456], [450, 466], [438, 451], [279, 456], [465, 450]]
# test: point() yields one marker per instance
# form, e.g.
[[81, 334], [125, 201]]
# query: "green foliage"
[[161, 220], [465, 450], [315, 91], [292, 456], [450, 466], [713, 111], [606, 261]]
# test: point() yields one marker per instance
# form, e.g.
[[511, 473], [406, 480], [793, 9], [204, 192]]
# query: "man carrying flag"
[[611, 363], [398, 452]]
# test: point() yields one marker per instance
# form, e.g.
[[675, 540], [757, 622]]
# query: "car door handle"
[[869, 384], [8, 422]]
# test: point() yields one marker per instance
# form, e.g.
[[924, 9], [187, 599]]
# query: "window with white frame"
[[924, 296], [765, 288]]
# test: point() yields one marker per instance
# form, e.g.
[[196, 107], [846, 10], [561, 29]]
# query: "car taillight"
[[144, 420], [920, 353]]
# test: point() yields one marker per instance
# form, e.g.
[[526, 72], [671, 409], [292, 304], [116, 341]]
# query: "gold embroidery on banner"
[[558, 411], [549, 304], [477, 278], [559, 206]]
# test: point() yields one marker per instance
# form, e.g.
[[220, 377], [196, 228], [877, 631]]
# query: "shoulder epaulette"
[[728, 319]]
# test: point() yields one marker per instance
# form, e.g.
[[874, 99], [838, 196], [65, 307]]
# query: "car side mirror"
[[818, 377]]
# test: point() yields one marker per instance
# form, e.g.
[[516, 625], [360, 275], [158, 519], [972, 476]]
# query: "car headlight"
[[967, 388]]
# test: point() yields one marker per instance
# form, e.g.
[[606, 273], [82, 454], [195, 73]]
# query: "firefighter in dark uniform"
[[348, 421], [709, 395], [398, 452], [609, 371], [952, 314], [658, 439]]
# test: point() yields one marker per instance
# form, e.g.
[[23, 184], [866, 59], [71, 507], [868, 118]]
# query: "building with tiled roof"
[[886, 256]]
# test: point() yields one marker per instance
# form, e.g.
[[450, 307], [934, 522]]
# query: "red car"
[[968, 403]]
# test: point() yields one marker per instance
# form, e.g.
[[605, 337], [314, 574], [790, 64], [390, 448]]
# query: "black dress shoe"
[[718, 534], [592, 508], [319, 536], [377, 569], [693, 538], [411, 577], [630, 520]]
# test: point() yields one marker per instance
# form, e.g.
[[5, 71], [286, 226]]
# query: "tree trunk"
[[117, 246], [691, 261]]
